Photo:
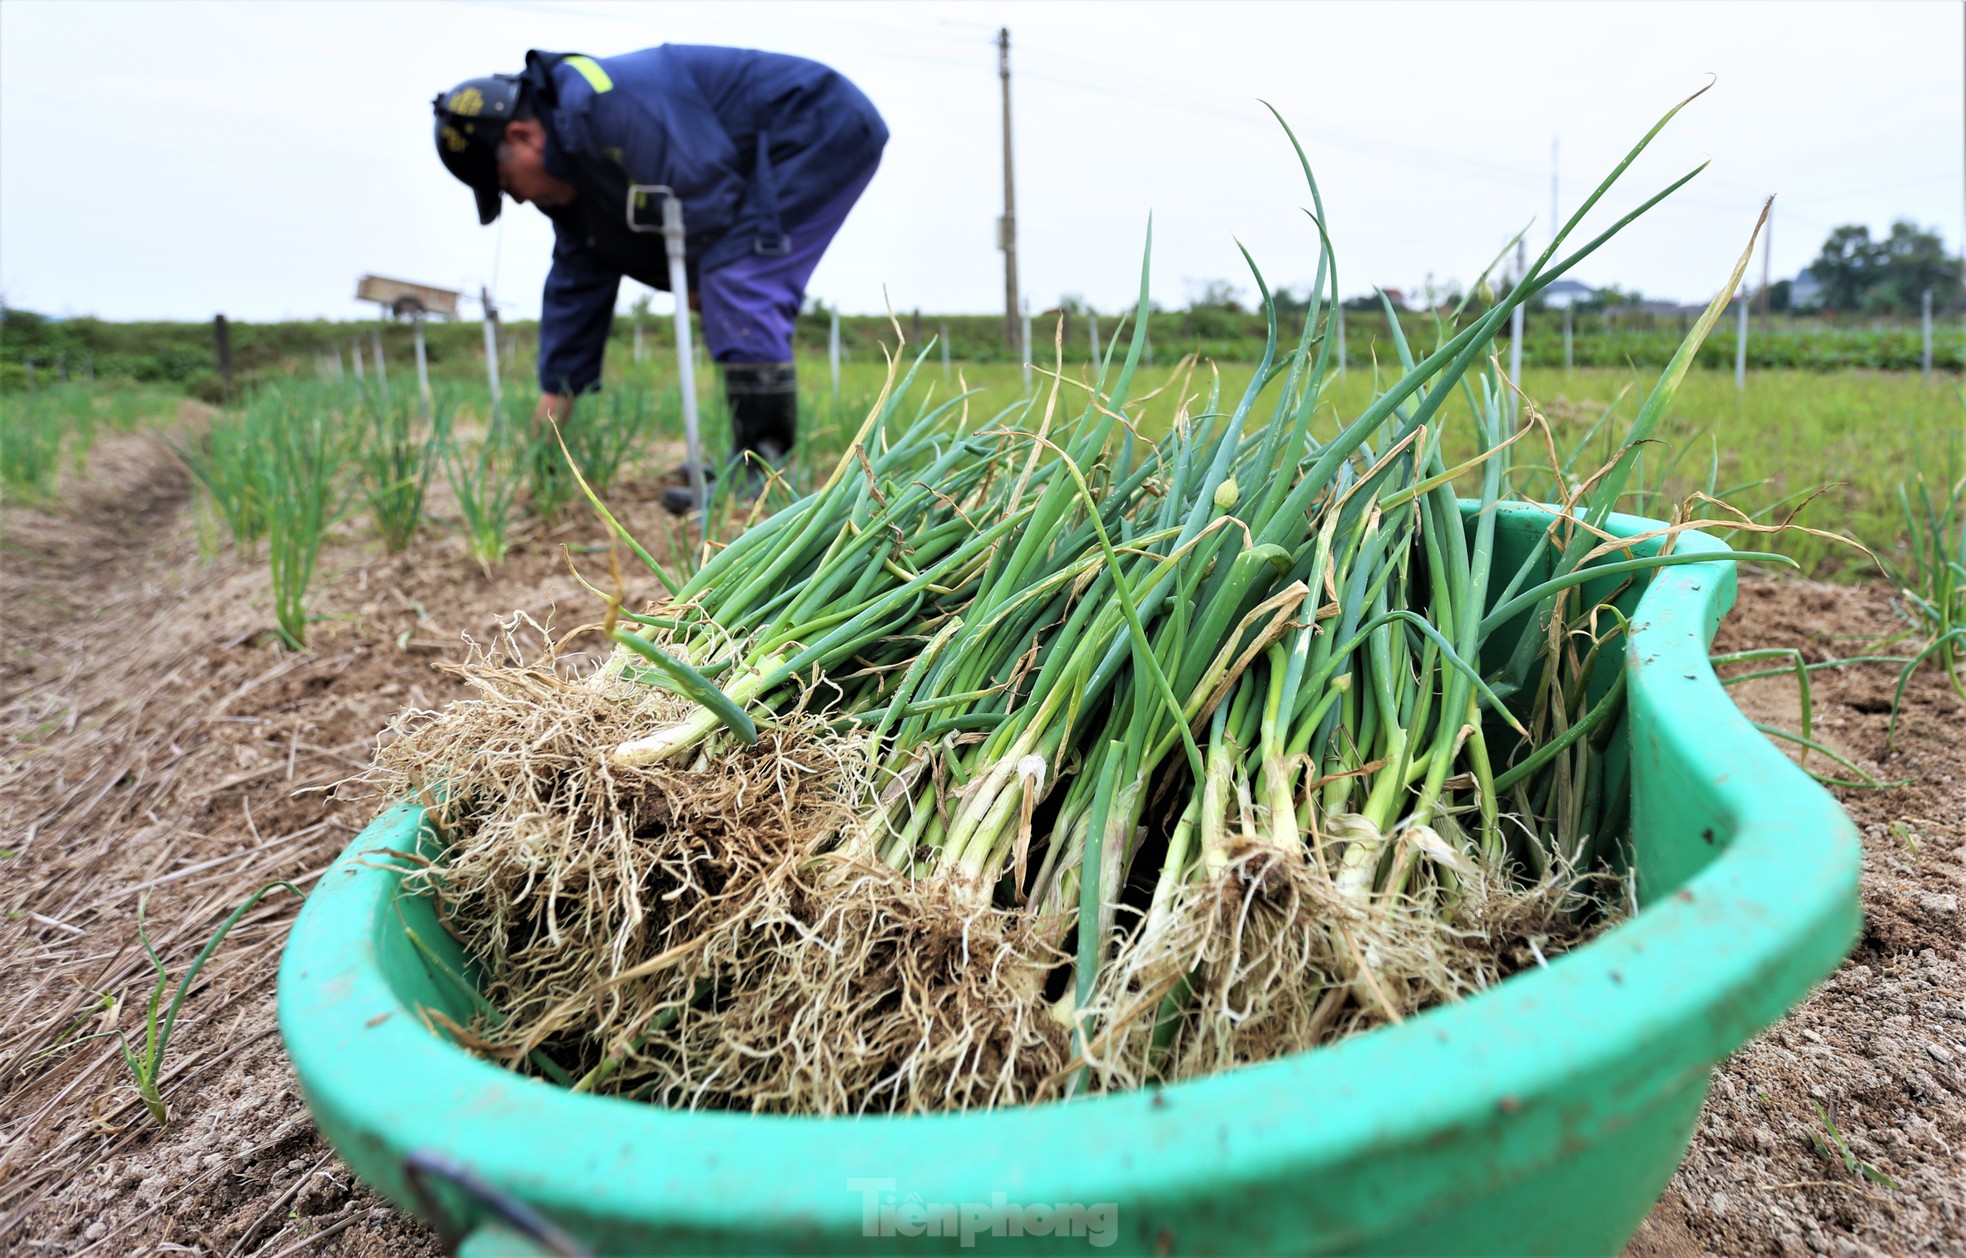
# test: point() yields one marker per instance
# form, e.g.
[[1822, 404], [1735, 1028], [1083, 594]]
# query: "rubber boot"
[[764, 409]]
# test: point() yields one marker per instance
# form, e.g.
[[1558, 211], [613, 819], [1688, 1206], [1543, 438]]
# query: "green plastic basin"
[[1541, 1117]]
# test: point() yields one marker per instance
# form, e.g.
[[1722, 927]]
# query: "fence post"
[[1026, 343], [222, 340], [1338, 316], [422, 365], [945, 353], [491, 342], [1741, 345], [833, 351], [1567, 361], [1092, 333], [1925, 322], [355, 350], [381, 373], [638, 339]]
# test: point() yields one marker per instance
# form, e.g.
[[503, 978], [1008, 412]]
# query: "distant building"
[[1805, 293], [1566, 293]]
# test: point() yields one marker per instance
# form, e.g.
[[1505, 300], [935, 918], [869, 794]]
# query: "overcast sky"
[[175, 160]]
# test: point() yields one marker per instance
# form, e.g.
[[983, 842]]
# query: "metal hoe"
[[672, 240]]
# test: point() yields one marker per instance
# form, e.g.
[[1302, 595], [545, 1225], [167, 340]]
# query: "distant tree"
[[1612, 295], [1859, 273], [1778, 295], [1290, 301], [1911, 261], [1214, 295], [1846, 266], [1072, 303], [17, 322]]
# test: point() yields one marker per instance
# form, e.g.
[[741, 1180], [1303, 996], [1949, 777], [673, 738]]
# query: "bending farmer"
[[767, 153]]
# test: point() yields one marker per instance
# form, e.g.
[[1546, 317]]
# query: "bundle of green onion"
[[1090, 759]]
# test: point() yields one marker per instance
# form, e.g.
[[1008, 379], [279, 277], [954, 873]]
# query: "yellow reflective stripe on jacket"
[[590, 70]]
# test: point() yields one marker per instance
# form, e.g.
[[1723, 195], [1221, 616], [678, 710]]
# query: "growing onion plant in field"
[[395, 453], [305, 494], [1933, 584], [604, 431], [146, 1058], [33, 430], [229, 460], [485, 477]]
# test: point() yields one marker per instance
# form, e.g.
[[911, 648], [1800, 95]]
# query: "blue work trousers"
[[749, 304]]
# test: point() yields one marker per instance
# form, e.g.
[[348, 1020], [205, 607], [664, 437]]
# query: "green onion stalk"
[[1273, 655]]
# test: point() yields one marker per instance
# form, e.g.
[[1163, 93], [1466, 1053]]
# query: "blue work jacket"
[[752, 142]]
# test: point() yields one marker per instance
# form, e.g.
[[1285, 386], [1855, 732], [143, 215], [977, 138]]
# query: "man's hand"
[[554, 407]]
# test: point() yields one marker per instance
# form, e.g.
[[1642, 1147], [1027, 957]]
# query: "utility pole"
[[1007, 225]]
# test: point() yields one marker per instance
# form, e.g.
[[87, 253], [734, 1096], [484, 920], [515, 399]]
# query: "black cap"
[[471, 120]]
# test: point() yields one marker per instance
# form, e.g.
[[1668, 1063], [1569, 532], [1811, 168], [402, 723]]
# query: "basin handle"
[[512, 1216]]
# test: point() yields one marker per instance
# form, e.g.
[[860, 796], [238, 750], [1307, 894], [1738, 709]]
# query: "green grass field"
[[1853, 435]]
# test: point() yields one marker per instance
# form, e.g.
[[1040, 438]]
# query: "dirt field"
[[1881, 1046], [156, 745]]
